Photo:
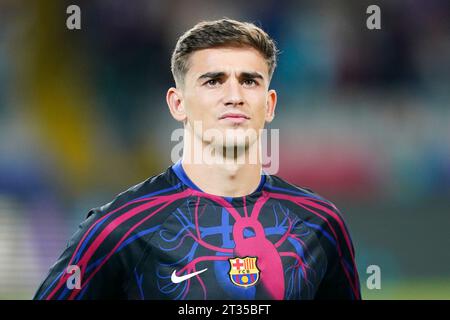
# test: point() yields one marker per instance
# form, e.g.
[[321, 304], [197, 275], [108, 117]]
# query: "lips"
[[234, 116]]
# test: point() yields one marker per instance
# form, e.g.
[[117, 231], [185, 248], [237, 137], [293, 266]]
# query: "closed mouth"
[[234, 116]]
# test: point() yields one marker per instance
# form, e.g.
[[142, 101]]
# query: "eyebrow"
[[211, 75], [219, 74], [252, 75]]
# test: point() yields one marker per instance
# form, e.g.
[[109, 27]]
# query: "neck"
[[227, 174]]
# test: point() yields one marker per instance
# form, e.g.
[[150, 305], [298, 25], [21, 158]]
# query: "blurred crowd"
[[364, 115]]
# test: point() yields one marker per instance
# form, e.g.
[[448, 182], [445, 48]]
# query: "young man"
[[214, 227]]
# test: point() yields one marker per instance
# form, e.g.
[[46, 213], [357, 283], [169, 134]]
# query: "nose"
[[233, 94]]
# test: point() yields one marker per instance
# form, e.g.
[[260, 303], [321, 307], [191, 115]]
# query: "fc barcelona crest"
[[243, 271]]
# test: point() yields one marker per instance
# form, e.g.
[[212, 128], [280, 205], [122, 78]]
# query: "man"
[[213, 226]]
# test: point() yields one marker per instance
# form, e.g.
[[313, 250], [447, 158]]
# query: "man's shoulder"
[[278, 184], [152, 186], [106, 226], [303, 195], [314, 206]]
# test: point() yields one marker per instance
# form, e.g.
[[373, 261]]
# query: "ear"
[[174, 99], [270, 106]]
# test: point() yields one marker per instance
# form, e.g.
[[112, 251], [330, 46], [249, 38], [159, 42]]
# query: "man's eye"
[[250, 82], [212, 82]]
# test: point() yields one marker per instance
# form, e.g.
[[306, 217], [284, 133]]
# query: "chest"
[[203, 251]]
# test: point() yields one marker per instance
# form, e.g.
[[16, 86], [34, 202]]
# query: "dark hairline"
[[231, 45]]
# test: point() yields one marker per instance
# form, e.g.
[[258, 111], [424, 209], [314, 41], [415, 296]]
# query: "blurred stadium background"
[[364, 119]]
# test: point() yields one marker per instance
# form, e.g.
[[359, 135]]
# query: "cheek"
[[200, 106], [259, 112], [259, 106]]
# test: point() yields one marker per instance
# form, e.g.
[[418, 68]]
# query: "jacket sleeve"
[[87, 267], [341, 280]]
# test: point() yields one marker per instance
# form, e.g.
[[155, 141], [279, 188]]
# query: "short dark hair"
[[221, 33]]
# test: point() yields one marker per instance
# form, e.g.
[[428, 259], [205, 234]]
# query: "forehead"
[[227, 59]]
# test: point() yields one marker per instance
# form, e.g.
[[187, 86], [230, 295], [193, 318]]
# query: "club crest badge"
[[243, 271]]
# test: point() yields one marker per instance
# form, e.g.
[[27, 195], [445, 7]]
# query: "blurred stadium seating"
[[364, 119]]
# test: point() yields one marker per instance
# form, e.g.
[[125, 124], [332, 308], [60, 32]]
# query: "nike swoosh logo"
[[176, 279]]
